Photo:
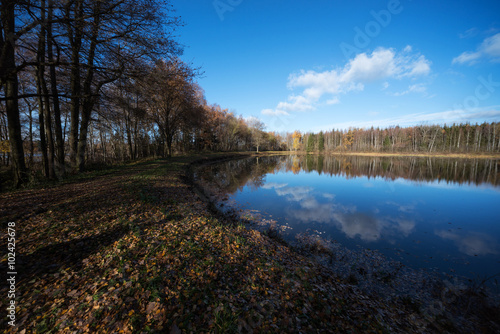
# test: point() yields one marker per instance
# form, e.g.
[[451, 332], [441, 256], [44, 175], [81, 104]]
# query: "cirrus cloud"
[[489, 48]]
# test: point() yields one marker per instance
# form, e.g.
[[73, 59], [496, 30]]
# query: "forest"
[[86, 82], [464, 138]]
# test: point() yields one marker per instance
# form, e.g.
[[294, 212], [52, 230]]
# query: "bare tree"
[[170, 93], [257, 130]]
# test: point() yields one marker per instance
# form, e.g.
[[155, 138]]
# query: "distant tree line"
[[462, 138]]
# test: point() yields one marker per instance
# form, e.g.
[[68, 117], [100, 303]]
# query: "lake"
[[437, 214]]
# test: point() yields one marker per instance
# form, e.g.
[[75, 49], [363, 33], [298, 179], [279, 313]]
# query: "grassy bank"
[[134, 250]]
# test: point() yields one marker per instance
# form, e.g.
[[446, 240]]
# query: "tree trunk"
[[8, 75], [75, 36], [103, 144], [44, 104], [32, 146], [82, 141], [60, 168], [479, 139], [129, 134], [88, 102], [467, 141], [169, 146], [41, 121], [494, 136], [48, 131]]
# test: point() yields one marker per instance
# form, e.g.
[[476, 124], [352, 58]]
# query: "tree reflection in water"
[[233, 175]]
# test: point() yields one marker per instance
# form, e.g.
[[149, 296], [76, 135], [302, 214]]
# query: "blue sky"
[[325, 64]]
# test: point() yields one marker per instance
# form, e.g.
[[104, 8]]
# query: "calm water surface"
[[439, 214]]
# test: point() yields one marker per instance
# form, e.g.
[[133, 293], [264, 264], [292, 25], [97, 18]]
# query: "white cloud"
[[335, 100], [272, 112], [381, 64], [417, 88], [489, 48], [469, 33], [467, 57], [318, 84], [419, 67], [365, 68], [296, 103]]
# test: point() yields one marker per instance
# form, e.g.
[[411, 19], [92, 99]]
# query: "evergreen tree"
[[387, 142], [321, 142], [311, 141]]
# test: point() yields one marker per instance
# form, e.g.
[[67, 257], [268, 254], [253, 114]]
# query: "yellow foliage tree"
[[348, 139], [296, 140]]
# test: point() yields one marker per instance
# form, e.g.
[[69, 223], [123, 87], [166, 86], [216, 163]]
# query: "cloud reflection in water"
[[472, 243], [346, 218]]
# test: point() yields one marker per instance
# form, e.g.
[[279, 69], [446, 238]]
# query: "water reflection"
[[472, 244], [417, 210], [346, 218], [236, 173], [470, 171]]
